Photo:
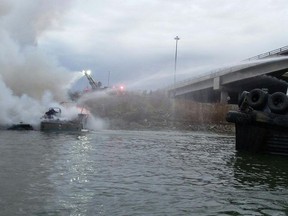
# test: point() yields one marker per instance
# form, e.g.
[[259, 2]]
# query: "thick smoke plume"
[[30, 80]]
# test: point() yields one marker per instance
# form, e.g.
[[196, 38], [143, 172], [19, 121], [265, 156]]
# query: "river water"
[[137, 173]]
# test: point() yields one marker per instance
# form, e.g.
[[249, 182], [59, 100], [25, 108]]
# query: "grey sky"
[[45, 44], [134, 39]]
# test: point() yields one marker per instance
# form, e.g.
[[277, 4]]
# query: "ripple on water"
[[137, 173]]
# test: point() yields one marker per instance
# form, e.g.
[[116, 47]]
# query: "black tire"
[[257, 99], [238, 117], [278, 103], [242, 97]]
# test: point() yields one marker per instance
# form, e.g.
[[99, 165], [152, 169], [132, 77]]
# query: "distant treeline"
[[154, 110]]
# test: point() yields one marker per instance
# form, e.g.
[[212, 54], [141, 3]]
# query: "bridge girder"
[[234, 80]]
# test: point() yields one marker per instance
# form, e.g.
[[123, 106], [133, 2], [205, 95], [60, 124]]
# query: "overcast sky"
[[134, 39]]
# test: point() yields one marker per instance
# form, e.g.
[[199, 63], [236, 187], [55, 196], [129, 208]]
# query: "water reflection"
[[144, 173], [261, 170], [72, 174]]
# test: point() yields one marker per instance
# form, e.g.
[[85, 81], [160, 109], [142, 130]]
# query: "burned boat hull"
[[261, 122], [21, 127], [57, 125], [53, 123]]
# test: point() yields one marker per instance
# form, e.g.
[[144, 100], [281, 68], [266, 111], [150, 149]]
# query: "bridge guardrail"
[[270, 53]]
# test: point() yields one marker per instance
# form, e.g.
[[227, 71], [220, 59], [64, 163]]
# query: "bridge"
[[268, 70]]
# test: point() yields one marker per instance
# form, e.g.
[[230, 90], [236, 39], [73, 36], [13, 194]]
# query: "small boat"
[[21, 126], [52, 121], [261, 122]]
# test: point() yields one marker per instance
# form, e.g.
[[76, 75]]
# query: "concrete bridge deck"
[[266, 70]]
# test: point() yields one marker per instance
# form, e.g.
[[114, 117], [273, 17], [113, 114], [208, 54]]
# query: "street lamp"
[[175, 63]]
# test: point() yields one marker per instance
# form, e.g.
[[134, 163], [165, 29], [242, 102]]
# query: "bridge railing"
[[267, 54]]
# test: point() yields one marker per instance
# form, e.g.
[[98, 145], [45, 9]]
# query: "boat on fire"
[[53, 121], [261, 122]]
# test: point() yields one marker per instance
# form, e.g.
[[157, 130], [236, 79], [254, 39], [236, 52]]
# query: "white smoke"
[[95, 123], [30, 81]]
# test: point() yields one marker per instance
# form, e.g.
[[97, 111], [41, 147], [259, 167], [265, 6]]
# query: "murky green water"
[[137, 173]]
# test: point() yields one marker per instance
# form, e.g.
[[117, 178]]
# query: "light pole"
[[175, 63]]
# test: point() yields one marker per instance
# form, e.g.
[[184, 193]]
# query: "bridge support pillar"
[[224, 97], [216, 83]]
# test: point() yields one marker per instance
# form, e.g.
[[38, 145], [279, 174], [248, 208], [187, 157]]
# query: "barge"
[[52, 121], [261, 122]]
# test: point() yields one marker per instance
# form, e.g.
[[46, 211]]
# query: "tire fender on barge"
[[261, 122]]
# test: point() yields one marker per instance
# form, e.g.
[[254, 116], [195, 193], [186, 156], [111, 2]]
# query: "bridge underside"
[[205, 96], [232, 91]]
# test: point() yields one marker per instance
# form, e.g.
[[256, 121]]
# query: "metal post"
[[175, 63]]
